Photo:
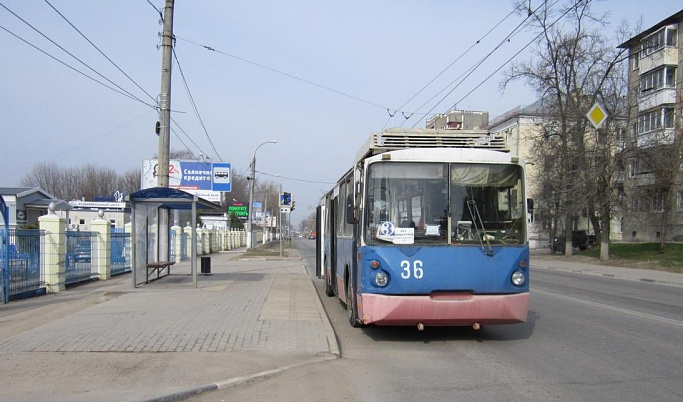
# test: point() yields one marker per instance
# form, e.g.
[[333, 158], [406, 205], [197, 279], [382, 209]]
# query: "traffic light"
[[293, 205]]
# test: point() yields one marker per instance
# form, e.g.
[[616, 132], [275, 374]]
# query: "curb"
[[231, 382], [603, 273]]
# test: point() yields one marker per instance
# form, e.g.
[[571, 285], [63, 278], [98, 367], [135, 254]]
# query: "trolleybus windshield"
[[431, 203]]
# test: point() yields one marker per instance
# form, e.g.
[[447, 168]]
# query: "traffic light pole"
[[280, 224]]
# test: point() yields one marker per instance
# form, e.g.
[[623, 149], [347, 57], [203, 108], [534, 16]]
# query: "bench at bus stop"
[[159, 267]]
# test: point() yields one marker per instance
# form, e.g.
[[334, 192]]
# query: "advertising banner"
[[240, 210], [193, 177]]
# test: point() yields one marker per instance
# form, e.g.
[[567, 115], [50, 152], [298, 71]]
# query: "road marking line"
[[608, 307]]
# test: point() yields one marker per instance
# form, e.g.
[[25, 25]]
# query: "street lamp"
[[250, 233]]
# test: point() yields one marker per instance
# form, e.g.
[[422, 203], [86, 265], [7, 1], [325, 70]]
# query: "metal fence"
[[172, 248], [24, 269], [78, 265], [120, 252], [183, 246]]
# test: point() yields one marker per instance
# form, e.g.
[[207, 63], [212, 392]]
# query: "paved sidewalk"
[[110, 341], [545, 260]]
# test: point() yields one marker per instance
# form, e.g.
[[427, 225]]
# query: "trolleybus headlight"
[[518, 278], [381, 279]]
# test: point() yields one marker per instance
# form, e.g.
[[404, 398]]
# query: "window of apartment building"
[[658, 202], [666, 36], [637, 167], [679, 201], [636, 60], [656, 119], [664, 77]]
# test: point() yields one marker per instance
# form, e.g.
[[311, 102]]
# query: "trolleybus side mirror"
[[350, 210]]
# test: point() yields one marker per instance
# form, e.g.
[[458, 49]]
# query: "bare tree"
[[268, 192], [129, 181], [46, 176], [307, 225], [571, 65], [74, 183]]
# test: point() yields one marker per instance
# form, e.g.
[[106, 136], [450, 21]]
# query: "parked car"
[[580, 240], [82, 251]]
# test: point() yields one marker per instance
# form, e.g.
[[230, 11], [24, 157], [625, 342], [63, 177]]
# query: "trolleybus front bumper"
[[443, 309]]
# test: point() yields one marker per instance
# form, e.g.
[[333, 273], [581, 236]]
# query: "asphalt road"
[[587, 338]]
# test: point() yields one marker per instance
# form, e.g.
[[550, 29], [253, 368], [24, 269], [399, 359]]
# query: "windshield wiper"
[[478, 222]]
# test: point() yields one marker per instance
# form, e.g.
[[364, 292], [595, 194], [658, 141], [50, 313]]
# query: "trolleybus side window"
[[343, 228]]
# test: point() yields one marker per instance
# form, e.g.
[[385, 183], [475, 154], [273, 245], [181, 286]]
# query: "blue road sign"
[[221, 177]]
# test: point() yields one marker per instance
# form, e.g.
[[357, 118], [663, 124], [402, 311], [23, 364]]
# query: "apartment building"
[[655, 88]]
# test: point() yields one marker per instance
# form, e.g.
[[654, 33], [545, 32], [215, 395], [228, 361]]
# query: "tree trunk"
[[604, 235], [568, 233], [665, 218]]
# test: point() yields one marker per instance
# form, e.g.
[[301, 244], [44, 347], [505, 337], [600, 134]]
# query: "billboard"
[[240, 210], [193, 177]]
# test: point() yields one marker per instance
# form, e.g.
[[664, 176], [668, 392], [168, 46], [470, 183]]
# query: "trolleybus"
[[428, 228]]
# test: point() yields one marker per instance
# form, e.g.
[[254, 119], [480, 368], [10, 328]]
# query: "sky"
[[317, 76]]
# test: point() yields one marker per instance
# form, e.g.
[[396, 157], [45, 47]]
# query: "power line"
[[101, 52], [194, 105], [70, 54], [295, 179], [120, 90], [73, 68], [188, 137], [209, 48], [161, 15], [89, 141]]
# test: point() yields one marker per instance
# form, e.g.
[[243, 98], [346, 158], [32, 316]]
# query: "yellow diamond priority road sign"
[[597, 115]]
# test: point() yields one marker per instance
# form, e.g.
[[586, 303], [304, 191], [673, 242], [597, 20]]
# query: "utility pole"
[[250, 232], [163, 252], [165, 95]]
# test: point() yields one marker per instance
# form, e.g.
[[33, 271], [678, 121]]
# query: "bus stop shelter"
[[150, 231]]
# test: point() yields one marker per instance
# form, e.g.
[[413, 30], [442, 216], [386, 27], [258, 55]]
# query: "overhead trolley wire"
[[516, 54], [477, 42], [471, 70]]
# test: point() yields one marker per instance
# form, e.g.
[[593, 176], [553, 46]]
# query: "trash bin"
[[206, 265]]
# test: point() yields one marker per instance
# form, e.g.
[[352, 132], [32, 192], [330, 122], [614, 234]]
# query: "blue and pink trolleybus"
[[428, 228]]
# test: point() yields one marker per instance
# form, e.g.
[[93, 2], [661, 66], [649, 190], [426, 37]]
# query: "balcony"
[[666, 55], [664, 136], [654, 98]]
